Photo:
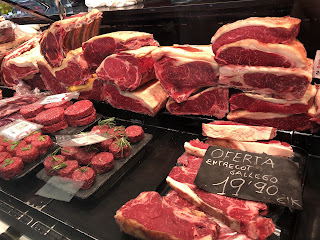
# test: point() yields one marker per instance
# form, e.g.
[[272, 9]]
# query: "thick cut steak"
[[128, 69], [68, 34], [182, 70], [212, 101], [258, 103], [297, 122], [253, 53], [96, 49], [285, 83], [149, 99], [273, 147], [196, 148], [149, 216], [238, 132], [267, 30]]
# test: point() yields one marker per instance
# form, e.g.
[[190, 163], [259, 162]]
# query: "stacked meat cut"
[[261, 57]]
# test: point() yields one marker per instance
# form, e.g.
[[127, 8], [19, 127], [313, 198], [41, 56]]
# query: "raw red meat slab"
[[267, 29], [213, 101], [129, 69], [182, 70], [254, 53], [148, 216], [96, 49]]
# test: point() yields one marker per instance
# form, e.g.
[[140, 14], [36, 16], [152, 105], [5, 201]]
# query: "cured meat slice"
[[149, 216], [267, 30], [258, 103], [240, 215], [149, 99], [284, 83], [21, 63], [73, 71], [129, 69], [254, 53], [181, 70], [68, 34], [238, 132], [273, 147], [297, 122], [209, 102], [96, 49]]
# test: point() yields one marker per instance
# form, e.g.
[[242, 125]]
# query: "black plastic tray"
[[107, 179]]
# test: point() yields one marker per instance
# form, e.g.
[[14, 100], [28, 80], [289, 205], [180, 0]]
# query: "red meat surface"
[[79, 110], [68, 167], [28, 153], [69, 152], [33, 136], [119, 151], [11, 167], [83, 121], [51, 161], [64, 104], [84, 156], [102, 162], [51, 116], [4, 155], [85, 175], [43, 142], [55, 127], [135, 133], [31, 110]]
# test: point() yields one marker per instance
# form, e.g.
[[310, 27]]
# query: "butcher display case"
[[25, 214]]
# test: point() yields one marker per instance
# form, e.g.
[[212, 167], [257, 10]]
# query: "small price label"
[[316, 66], [19, 129], [59, 97], [79, 140], [251, 176], [89, 139]]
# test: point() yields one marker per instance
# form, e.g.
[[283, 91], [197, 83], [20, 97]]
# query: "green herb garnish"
[[42, 138], [26, 148], [123, 143], [58, 167], [14, 145], [62, 149], [109, 121], [7, 162], [91, 148]]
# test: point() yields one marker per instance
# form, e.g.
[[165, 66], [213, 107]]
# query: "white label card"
[[79, 140], [59, 97], [19, 129], [88, 140], [316, 66]]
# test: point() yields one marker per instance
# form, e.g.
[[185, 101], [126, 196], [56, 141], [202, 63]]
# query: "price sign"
[[59, 97], [80, 139], [316, 66], [251, 176], [19, 129]]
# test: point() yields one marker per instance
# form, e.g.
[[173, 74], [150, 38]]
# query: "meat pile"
[[59, 115], [261, 57], [83, 163], [14, 156]]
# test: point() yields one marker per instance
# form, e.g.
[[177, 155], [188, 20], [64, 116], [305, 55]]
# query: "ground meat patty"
[[70, 152], [102, 162], [119, 151], [100, 129], [28, 154], [64, 104], [2, 149], [55, 127], [85, 175], [31, 110], [43, 142], [104, 146], [83, 121], [134, 133], [5, 141], [68, 167], [11, 167], [51, 116], [51, 161], [4, 155], [79, 110], [83, 156], [33, 136], [117, 132], [14, 146]]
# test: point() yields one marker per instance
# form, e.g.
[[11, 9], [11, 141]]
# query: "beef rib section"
[[68, 34], [149, 216], [149, 99], [251, 52], [212, 101], [128, 69], [96, 49], [285, 83], [182, 70], [267, 30]]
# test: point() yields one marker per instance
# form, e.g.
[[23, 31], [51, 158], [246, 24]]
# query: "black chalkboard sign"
[[251, 176]]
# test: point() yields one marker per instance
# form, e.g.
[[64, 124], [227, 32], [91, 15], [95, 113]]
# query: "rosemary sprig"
[[53, 155], [42, 138], [65, 150], [123, 143], [91, 148], [109, 121], [58, 167], [14, 145], [7, 162], [26, 148]]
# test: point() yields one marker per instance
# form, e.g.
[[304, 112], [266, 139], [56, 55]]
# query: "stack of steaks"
[[261, 57]]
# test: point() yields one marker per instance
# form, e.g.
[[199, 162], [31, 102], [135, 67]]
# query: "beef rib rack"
[[267, 30], [182, 70], [68, 34], [251, 52], [99, 47]]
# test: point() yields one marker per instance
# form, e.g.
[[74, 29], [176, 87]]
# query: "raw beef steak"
[[149, 99], [98, 48], [285, 83], [182, 70], [273, 147], [238, 132], [267, 30], [68, 34], [297, 122], [212, 101], [189, 161], [129, 69], [253, 53], [149, 216], [6, 31], [91, 89]]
